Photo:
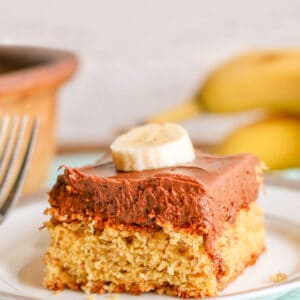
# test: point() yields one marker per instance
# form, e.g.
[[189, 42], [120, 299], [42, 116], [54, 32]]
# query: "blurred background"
[[140, 58]]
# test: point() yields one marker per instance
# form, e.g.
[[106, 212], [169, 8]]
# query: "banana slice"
[[152, 146]]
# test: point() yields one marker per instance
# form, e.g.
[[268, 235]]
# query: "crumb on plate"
[[112, 297], [278, 277]]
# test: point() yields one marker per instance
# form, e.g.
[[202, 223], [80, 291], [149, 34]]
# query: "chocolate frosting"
[[198, 197]]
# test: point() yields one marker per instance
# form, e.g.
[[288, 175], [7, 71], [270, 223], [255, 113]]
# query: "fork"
[[17, 141]]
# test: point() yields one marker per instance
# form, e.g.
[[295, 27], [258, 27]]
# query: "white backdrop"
[[139, 57]]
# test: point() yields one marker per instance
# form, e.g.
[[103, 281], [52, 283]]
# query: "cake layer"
[[198, 197], [120, 259]]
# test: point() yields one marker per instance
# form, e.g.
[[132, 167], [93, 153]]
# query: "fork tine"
[[4, 127], [12, 150], [8, 134], [14, 192]]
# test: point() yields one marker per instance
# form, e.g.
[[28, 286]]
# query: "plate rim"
[[282, 287]]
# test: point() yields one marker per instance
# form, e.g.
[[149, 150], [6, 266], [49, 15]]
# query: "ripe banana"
[[152, 146], [267, 80], [275, 140]]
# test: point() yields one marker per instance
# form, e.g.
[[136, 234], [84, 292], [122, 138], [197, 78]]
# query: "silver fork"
[[17, 140]]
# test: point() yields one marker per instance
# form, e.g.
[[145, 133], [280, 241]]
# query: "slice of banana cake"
[[141, 223]]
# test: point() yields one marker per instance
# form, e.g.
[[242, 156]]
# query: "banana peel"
[[275, 140]]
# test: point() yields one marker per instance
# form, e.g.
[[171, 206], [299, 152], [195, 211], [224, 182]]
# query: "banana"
[[152, 146], [267, 80], [275, 140]]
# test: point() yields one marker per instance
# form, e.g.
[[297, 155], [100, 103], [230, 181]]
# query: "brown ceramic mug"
[[29, 80]]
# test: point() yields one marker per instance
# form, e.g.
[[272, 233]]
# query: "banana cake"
[[185, 230]]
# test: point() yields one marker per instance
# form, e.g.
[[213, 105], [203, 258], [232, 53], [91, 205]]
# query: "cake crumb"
[[91, 297], [69, 189], [56, 292], [112, 297], [278, 277]]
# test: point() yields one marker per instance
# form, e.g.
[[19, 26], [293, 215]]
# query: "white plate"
[[22, 246]]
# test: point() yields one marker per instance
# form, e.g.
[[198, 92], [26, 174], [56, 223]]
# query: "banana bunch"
[[268, 80], [275, 140]]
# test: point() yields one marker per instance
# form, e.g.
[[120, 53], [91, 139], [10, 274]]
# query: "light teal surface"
[[72, 160], [294, 295], [289, 173], [78, 160]]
